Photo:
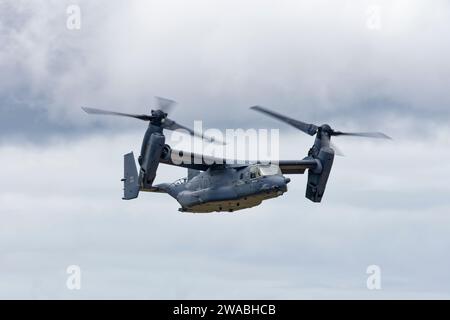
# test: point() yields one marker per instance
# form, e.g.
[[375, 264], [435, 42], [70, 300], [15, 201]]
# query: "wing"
[[296, 166], [202, 162], [191, 160]]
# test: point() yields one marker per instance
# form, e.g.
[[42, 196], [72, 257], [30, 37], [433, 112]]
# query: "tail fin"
[[130, 178]]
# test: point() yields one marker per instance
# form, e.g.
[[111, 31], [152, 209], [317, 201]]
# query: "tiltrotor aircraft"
[[214, 184]]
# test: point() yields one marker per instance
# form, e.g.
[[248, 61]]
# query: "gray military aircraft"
[[214, 184]]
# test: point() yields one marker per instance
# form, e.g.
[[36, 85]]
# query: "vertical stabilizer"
[[130, 177]]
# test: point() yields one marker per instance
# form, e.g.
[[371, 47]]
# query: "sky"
[[357, 65]]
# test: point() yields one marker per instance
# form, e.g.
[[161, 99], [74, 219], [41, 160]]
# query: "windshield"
[[180, 181], [269, 170]]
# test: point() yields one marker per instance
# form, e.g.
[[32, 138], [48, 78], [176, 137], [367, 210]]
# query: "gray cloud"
[[61, 205], [314, 60]]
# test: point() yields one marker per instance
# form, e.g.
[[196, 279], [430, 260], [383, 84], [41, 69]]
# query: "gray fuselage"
[[228, 189]]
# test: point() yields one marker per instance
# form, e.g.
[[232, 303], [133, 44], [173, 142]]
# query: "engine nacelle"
[[317, 179], [151, 158], [166, 152]]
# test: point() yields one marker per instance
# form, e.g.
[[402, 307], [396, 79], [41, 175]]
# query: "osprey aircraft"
[[214, 184]]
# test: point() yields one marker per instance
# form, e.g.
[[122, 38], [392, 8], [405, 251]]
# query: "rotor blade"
[[165, 104], [307, 128], [172, 125], [112, 113], [337, 151], [376, 135]]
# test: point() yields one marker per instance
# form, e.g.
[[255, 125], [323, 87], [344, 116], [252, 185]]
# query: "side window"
[[254, 172], [241, 176]]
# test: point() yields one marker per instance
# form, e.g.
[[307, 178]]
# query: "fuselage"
[[228, 189]]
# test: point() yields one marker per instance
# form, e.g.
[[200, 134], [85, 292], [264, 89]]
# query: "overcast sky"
[[387, 203]]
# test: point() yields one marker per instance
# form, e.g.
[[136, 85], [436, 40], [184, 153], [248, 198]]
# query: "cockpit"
[[260, 170], [180, 181]]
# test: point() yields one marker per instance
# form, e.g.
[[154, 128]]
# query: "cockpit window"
[[254, 172], [269, 170], [180, 181], [260, 170]]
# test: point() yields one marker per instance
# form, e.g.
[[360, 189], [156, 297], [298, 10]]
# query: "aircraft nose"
[[276, 183], [280, 183]]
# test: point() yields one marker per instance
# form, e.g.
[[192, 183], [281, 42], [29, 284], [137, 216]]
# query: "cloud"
[[314, 59], [384, 205]]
